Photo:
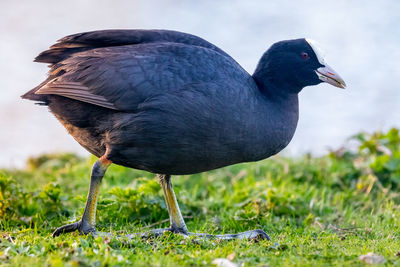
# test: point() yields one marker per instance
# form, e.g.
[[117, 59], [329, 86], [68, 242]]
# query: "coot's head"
[[293, 64]]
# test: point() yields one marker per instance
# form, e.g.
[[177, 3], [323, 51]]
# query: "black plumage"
[[172, 103]]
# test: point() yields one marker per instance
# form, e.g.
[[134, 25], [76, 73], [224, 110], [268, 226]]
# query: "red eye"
[[304, 55]]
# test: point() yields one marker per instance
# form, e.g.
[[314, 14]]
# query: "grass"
[[318, 211]]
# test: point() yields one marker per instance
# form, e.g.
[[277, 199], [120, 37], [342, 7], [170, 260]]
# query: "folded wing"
[[120, 69]]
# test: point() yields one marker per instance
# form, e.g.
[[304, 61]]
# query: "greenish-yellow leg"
[[87, 223], [175, 216]]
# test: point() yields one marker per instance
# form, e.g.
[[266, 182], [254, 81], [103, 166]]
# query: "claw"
[[81, 227], [66, 229], [255, 235]]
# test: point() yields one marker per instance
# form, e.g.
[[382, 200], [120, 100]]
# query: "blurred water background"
[[361, 38]]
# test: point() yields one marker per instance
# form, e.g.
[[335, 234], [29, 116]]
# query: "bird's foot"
[[81, 226], [251, 235], [157, 233]]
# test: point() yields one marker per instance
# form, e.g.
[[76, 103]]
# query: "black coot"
[[172, 103]]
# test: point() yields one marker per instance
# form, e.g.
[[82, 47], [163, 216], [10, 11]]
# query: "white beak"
[[328, 75]]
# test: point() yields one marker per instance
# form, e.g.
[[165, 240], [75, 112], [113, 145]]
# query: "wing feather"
[[75, 91], [120, 69]]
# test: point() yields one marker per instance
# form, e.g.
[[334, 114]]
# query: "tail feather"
[[55, 55], [31, 95]]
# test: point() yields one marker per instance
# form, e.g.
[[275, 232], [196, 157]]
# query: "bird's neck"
[[279, 113], [284, 95], [276, 86]]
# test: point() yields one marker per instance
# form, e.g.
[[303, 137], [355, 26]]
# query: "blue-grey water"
[[361, 38]]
